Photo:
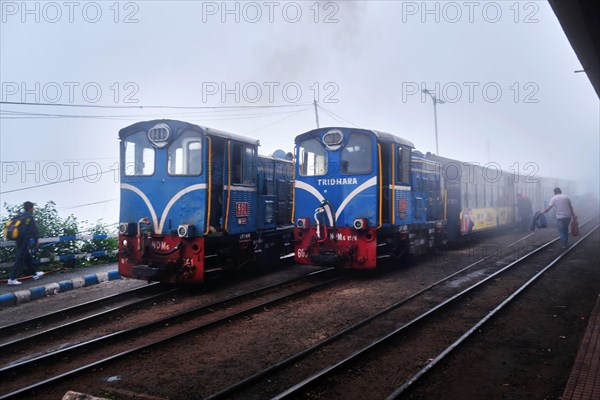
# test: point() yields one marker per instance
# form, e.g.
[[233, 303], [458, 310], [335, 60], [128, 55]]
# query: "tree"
[[51, 224]]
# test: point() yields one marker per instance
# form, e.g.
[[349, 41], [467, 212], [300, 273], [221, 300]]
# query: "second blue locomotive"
[[364, 195]]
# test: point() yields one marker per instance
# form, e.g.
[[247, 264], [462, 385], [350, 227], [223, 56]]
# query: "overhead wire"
[[87, 204], [103, 172], [278, 121], [334, 115], [153, 106], [20, 114], [207, 116]]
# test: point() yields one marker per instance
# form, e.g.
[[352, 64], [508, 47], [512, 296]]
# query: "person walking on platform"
[[564, 212], [27, 232]]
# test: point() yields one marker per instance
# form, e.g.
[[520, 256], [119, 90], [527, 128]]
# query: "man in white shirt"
[[564, 212]]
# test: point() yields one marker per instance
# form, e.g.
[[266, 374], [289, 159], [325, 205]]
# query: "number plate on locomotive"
[[242, 209]]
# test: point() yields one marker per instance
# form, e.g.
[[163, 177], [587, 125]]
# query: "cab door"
[[387, 185], [241, 205]]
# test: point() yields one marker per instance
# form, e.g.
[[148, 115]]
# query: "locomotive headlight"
[[185, 231], [303, 223], [439, 227], [159, 135], [360, 224], [404, 232], [126, 228], [333, 139]]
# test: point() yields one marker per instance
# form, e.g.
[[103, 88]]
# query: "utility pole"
[[316, 113], [436, 101]]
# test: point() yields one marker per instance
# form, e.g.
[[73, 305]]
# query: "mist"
[[505, 72]]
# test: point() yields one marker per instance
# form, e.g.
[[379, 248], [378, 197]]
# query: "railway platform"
[[584, 381], [56, 282]]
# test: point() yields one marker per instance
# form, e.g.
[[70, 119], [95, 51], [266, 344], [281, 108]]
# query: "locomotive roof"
[[270, 157], [145, 125], [388, 137], [381, 136]]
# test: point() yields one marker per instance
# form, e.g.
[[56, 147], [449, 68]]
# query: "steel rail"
[[331, 368], [475, 327], [23, 325], [309, 350], [162, 322], [73, 323]]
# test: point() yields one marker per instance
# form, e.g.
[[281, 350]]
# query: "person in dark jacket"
[[525, 211], [23, 253]]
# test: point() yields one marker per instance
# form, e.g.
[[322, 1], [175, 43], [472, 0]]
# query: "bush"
[[50, 224]]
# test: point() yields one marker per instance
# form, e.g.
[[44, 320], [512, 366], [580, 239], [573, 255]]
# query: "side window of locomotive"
[[313, 158], [402, 165], [138, 155], [194, 164], [243, 165], [185, 155], [357, 155]]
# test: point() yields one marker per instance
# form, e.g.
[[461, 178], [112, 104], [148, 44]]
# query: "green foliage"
[[51, 224], [90, 246]]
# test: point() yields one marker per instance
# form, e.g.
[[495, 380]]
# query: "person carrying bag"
[[574, 227]]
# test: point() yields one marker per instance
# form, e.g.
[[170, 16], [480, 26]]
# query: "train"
[[485, 197], [364, 196], [197, 202]]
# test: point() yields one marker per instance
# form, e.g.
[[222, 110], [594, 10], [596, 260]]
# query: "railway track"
[[30, 374], [21, 333], [405, 314], [70, 320], [408, 313], [460, 315]]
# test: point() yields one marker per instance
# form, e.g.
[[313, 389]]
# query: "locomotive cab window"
[[139, 155], [185, 155], [402, 165], [357, 155], [313, 158], [243, 165]]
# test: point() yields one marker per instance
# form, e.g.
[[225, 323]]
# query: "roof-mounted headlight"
[[159, 135], [333, 139]]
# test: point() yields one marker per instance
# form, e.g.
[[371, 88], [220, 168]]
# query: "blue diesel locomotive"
[[196, 202], [363, 195]]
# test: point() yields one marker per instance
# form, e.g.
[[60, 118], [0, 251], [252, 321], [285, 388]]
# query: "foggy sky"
[[504, 69]]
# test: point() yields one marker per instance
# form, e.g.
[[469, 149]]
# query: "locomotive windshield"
[[357, 155], [139, 155], [185, 155], [313, 158]]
